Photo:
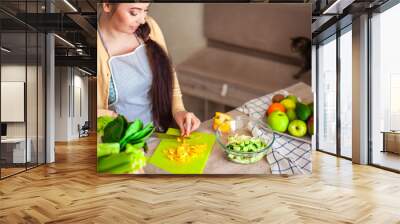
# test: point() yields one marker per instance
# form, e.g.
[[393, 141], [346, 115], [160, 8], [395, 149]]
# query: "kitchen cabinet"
[[391, 141]]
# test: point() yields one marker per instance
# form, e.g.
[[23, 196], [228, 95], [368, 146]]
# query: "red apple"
[[310, 125]]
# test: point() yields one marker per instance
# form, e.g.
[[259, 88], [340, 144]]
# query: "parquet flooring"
[[9, 171], [70, 191]]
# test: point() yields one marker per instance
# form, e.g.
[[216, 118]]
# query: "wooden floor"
[[70, 191], [10, 171]]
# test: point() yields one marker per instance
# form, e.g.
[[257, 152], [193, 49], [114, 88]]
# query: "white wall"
[[69, 85], [33, 127], [15, 72], [61, 103], [80, 100]]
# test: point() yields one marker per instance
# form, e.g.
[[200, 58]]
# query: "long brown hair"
[[162, 84], [161, 89]]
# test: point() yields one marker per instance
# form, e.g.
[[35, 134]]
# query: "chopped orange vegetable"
[[184, 152], [221, 120]]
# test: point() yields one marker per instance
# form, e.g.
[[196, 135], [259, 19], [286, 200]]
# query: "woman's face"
[[127, 17]]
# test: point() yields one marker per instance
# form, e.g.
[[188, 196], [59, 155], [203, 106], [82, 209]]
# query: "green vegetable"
[[125, 124], [108, 162], [121, 169], [130, 167], [121, 151], [102, 123], [145, 135], [134, 147], [139, 136], [104, 149], [133, 128], [123, 162], [244, 143], [249, 146], [140, 159], [114, 130]]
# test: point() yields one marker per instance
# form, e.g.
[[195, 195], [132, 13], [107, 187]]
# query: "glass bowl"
[[244, 125]]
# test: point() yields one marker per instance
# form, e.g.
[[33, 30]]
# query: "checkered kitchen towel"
[[288, 155]]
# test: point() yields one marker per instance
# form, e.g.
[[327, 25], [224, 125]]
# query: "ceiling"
[[23, 21], [75, 21], [330, 15]]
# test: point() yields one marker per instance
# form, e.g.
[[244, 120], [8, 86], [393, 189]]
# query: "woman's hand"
[[187, 122]]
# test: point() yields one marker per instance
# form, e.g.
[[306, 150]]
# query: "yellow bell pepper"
[[220, 120]]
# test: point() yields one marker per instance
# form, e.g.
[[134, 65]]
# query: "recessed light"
[[337, 7], [64, 40], [5, 50], [84, 71], [70, 5]]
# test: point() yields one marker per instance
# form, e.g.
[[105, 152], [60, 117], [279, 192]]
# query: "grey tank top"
[[131, 80]]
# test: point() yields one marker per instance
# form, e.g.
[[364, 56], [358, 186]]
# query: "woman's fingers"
[[195, 123], [181, 127], [179, 121], [188, 123]]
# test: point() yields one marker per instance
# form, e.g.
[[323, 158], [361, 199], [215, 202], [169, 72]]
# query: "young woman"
[[135, 76]]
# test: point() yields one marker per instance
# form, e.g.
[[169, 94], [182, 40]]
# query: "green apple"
[[291, 113], [311, 106], [292, 97], [288, 104], [297, 128], [278, 121], [302, 111]]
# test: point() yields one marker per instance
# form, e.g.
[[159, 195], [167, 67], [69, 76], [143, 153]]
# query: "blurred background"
[[227, 54]]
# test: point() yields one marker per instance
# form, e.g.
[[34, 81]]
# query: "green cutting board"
[[195, 166]]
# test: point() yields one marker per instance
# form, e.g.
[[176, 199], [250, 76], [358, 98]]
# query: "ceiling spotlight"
[[337, 7], [70, 5], [5, 50], [64, 40], [84, 71]]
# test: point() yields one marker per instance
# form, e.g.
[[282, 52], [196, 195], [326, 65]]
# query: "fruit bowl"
[[246, 141], [289, 116]]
